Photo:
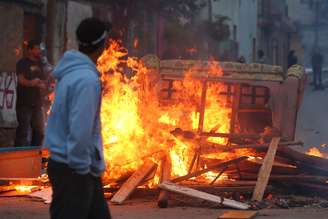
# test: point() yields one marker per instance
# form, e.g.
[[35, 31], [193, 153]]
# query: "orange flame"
[[137, 122], [136, 43], [317, 153], [24, 189], [191, 51]]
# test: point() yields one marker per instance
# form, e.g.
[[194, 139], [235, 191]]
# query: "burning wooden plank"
[[285, 178], [308, 163], [172, 187], [163, 197], [235, 183], [7, 188], [253, 165], [230, 135], [265, 170], [209, 147], [223, 188], [202, 107], [210, 168], [235, 107], [20, 190], [137, 177], [192, 135]]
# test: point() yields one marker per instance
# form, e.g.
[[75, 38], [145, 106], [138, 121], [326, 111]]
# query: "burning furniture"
[[259, 95], [226, 115]]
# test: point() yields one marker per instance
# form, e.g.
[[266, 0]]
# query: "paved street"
[[21, 208], [312, 124]]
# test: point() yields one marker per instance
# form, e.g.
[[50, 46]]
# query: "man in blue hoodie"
[[73, 133]]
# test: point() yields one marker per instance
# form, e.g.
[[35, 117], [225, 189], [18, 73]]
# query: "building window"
[[234, 32], [254, 52], [275, 52]]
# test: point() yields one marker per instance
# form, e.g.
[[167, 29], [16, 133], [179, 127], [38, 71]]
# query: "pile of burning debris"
[[247, 178], [219, 132]]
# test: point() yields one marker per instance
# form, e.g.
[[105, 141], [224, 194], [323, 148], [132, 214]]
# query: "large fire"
[[137, 123]]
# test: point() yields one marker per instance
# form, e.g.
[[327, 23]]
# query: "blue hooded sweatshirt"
[[73, 133]]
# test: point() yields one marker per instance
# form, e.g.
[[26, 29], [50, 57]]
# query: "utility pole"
[[317, 5], [210, 21], [316, 26], [210, 11], [51, 26]]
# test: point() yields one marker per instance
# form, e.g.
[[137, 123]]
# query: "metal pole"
[[316, 26], [51, 24], [202, 107]]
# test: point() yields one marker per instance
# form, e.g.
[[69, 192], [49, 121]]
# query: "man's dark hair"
[[91, 34], [32, 43]]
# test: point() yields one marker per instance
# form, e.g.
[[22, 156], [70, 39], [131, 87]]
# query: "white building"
[[303, 14], [243, 23]]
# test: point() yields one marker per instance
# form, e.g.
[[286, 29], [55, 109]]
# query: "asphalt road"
[[312, 123], [25, 208]]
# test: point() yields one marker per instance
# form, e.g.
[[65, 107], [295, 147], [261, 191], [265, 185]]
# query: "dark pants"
[[74, 195], [317, 78], [29, 117]]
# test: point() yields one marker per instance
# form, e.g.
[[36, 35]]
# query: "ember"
[[25, 189]]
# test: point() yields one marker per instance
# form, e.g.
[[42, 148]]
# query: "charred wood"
[[137, 177], [209, 147], [284, 178], [307, 163]]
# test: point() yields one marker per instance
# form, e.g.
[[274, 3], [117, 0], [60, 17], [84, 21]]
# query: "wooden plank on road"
[[137, 177], [172, 187], [265, 170]]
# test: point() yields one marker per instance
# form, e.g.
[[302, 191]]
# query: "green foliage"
[[183, 38], [218, 30], [181, 8], [175, 8]]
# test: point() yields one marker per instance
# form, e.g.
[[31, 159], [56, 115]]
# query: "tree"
[[125, 11], [182, 29]]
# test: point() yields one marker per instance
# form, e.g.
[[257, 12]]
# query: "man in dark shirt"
[[29, 99]]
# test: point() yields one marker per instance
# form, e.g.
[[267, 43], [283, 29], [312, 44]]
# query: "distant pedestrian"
[[261, 57], [317, 61], [292, 59], [241, 60], [73, 134]]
